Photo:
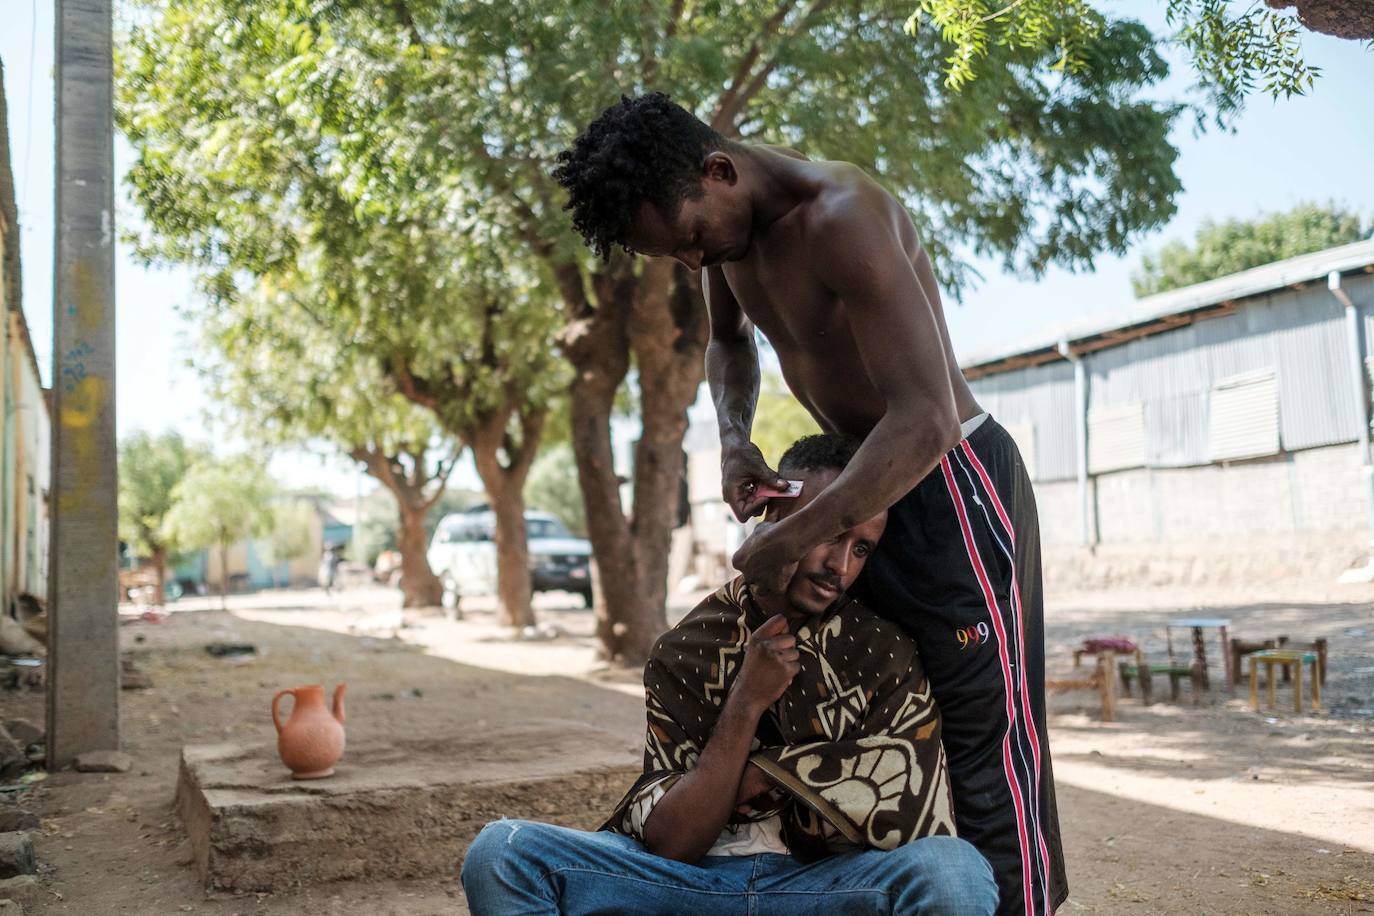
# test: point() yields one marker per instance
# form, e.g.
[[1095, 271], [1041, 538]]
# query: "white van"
[[463, 555]]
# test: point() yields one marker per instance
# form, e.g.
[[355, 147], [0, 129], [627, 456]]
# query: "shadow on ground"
[[110, 844], [1126, 856]]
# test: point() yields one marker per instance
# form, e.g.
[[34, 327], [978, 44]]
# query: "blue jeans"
[[515, 868]]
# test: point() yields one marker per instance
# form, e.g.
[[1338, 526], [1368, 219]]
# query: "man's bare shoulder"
[[849, 199], [786, 151]]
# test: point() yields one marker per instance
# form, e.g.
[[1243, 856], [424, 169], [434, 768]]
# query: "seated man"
[[792, 764]]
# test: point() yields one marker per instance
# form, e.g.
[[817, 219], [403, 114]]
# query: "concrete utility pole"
[[83, 636]]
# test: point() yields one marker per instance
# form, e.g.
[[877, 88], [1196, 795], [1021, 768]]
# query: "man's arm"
[[688, 819], [862, 261], [732, 369]]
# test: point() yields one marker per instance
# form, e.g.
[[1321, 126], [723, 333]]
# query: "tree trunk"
[[160, 565], [1351, 19], [419, 585], [223, 576], [514, 590], [504, 483], [503, 458], [596, 342], [626, 623], [660, 316], [668, 334], [414, 490]]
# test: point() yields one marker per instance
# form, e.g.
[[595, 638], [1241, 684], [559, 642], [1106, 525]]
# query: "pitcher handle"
[[276, 703], [339, 702]]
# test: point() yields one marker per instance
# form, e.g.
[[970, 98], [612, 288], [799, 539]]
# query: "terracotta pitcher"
[[312, 740]]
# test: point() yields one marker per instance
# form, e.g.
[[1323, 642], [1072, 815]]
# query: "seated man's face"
[[828, 569]]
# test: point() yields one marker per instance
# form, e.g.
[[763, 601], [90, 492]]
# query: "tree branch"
[[441, 475], [402, 12], [378, 465], [737, 96], [648, 48], [751, 56], [414, 387], [531, 429]]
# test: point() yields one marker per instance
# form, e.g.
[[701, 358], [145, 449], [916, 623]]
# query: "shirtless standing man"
[[826, 264]]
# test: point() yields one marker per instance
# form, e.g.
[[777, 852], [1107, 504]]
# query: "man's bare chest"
[[788, 303]]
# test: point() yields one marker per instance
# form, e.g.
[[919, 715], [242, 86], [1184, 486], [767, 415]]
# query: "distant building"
[[25, 441], [1226, 423], [248, 571], [1233, 410]]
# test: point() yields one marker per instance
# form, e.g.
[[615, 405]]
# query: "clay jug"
[[312, 740]]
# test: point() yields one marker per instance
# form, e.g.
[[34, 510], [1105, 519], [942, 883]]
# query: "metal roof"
[[1175, 308]]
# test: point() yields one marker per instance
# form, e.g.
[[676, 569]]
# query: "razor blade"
[[793, 490]]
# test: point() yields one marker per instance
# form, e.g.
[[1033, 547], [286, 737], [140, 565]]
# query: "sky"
[[1314, 148]]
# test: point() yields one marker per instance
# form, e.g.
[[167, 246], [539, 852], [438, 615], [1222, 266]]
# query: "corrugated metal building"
[[1234, 407], [25, 427], [1221, 415]]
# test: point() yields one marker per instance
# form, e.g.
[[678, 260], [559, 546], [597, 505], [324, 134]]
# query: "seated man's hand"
[[771, 660], [752, 784]]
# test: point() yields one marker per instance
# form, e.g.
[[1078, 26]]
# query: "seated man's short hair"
[[823, 451]]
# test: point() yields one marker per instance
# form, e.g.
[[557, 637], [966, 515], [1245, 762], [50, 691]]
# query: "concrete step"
[[398, 810]]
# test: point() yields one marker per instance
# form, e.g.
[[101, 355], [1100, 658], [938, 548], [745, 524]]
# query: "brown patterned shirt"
[[853, 745]]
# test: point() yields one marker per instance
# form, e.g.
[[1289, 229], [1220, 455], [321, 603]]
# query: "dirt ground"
[[1172, 809]]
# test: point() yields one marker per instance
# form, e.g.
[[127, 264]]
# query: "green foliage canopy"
[[219, 503], [1232, 51], [780, 419], [268, 131], [1233, 245], [292, 527], [283, 379], [150, 467], [282, 162]]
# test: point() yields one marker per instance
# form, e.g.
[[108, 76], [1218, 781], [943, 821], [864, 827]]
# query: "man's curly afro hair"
[[821, 452], [645, 149]]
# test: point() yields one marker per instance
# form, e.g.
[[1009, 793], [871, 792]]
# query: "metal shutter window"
[[1244, 416], [1116, 437]]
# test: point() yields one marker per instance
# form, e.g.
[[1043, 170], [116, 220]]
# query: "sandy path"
[[1172, 809]]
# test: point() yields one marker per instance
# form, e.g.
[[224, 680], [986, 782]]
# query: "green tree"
[[1232, 50], [383, 140], [1233, 245], [149, 468], [293, 524], [780, 419], [267, 113], [490, 380], [283, 379], [217, 504]]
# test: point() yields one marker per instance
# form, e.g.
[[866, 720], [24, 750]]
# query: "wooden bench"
[[1138, 668]]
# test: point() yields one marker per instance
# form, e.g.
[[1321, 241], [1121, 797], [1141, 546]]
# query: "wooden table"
[[1197, 625], [1272, 658]]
